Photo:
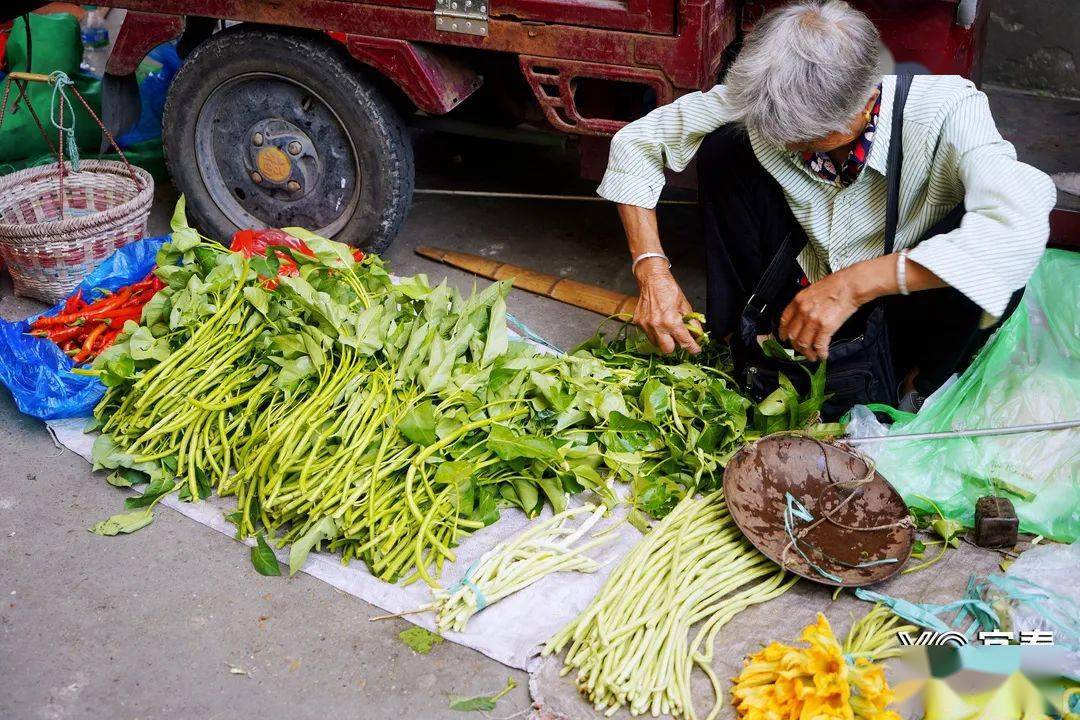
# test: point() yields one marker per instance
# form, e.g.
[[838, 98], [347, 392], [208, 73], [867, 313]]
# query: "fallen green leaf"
[[481, 703], [124, 523], [263, 558], [948, 530], [419, 639], [917, 549]]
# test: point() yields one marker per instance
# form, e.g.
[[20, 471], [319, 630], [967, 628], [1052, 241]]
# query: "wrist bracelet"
[[646, 256], [901, 272]]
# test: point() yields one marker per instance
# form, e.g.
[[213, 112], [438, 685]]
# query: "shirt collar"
[[878, 158]]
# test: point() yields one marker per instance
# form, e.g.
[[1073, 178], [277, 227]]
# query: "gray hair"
[[805, 71]]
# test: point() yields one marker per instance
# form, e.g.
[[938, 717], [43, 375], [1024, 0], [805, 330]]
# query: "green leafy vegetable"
[[509, 445], [418, 425], [158, 489], [385, 422], [324, 529]]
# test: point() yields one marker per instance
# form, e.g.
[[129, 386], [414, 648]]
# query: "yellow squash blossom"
[[782, 682]]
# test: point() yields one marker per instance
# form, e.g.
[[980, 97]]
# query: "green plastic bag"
[[147, 154], [1028, 373], [56, 46]]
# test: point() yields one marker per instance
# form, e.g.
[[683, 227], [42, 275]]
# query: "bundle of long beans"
[[874, 635], [544, 548], [632, 646]]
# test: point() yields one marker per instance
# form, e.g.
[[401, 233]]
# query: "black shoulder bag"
[[859, 369]]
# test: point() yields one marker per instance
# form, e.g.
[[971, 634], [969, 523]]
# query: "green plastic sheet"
[[147, 154], [56, 46], [1028, 373]]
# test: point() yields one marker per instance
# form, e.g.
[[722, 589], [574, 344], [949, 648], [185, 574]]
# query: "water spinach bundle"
[[665, 425], [382, 420], [386, 420]]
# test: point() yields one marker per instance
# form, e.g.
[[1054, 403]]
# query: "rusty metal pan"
[[821, 477]]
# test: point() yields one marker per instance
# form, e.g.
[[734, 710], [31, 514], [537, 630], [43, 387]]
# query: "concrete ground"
[[150, 625]]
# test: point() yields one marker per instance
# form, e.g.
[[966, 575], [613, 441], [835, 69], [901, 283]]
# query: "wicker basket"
[[105, 208]]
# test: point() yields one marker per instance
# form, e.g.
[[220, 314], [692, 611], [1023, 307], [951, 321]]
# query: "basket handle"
[[61, 83], [18, 79]]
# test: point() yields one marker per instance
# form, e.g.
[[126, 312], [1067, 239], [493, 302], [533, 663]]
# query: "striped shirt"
[[953, 153]]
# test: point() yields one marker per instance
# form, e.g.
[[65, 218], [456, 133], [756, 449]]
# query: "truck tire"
[[270, 128]]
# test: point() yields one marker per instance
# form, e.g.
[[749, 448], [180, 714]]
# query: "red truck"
[[296, 112]]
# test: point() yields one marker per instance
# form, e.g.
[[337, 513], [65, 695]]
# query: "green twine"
[[465, 581], [796, 510], [530, 334], [928, 615], [60, 81]]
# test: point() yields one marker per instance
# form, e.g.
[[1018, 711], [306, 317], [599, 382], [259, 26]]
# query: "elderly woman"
[[836, 205]]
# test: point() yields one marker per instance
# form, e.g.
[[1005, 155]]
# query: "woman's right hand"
[[661, 307]]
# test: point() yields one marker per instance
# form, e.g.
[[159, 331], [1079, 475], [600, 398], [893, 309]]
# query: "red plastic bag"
[[255, 242]]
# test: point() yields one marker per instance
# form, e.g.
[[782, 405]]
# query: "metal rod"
[[976, 432], [532, 196]]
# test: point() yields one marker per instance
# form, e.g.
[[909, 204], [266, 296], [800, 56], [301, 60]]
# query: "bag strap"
[[770, 280], [896, 161], [768, 284]]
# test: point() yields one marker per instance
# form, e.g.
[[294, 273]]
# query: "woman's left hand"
[[812, 318]]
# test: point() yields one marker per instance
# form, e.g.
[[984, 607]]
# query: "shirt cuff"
[[626, 189], [954, 266]]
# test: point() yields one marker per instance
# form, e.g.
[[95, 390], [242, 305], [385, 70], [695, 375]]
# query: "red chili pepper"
[[145, 284], [59, 320], [138, 298], [73, 303], [43, 322], [87, 313], [58, 335], [119, 317], [107, 339], [103, 311], [116, 300], [88, 343]]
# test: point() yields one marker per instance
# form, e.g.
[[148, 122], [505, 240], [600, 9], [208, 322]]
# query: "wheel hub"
[[281, 159], [273, 153]]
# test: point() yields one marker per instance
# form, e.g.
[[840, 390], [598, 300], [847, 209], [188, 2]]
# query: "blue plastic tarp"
[[36, 370], [152, 92]]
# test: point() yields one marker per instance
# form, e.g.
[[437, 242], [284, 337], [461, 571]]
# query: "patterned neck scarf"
[[823, 166]]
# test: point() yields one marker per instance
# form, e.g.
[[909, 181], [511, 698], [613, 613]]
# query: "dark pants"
[[745, 217]]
